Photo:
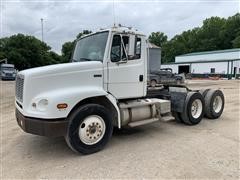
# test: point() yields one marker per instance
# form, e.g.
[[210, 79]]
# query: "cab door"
[[125, 73]]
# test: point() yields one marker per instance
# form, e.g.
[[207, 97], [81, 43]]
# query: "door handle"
[[141, 78], [97, 75]]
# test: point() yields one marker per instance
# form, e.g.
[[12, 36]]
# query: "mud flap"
[[178, 101]]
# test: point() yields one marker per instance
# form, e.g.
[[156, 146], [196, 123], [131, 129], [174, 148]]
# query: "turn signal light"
[[62, 106]]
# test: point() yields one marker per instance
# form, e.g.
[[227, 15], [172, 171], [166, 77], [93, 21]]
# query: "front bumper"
[[42, 127]]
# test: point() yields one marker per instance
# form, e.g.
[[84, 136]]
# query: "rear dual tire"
[[214, 104], [193, 109], [177, 116], [211, 103]]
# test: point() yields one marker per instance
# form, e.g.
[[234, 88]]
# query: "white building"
[[225, 63]]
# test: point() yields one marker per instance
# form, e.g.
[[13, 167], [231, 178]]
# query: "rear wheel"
[[177, 117], [214, 104], [90, 128], [203, 92], [194, 108]]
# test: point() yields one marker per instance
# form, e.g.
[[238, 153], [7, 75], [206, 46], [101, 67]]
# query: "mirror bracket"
[[121, 62]]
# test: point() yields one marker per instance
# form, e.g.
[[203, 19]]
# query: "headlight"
[[40, 105]]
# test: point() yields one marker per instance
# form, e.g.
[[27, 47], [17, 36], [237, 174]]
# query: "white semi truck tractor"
[[105, 86]]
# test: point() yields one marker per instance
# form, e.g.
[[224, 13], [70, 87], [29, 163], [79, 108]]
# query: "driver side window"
[[117, 51]]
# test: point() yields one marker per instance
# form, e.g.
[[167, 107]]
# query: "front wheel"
[[90, 128]]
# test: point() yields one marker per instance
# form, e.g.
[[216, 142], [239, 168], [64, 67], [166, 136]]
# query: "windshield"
[[90, 48]]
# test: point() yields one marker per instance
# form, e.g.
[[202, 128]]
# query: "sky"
[[64, 19]]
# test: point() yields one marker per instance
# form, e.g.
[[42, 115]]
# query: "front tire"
[[90, 128]]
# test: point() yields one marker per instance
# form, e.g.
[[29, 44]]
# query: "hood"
[[60, 77], [57, 84], [61, 68]]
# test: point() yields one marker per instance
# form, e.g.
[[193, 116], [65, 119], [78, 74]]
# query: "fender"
[[113, 100]]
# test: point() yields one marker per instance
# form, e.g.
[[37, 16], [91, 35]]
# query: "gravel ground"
[[160, 150]]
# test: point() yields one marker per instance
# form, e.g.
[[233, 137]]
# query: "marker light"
[[62, 106]]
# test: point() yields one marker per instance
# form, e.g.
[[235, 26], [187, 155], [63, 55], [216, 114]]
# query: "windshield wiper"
[[85, 59], [73, 60], [81, 59]]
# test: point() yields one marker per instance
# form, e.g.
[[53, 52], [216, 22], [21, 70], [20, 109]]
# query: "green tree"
[[67, 49], [210, 34], [215, 34], [236, 42], [158, 38], [27, 51], [231, 31]]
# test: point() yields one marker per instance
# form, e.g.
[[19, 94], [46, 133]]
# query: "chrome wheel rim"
[[217, 104], [196, 108], [92, 130]]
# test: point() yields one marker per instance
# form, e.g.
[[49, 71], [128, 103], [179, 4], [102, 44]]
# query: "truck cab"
[[8, 72], [122, 53], [104, 86]]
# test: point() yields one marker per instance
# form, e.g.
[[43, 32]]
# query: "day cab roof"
[[118, 29], [125, 30]]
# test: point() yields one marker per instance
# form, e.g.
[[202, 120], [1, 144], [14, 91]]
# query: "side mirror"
[[132, 41]]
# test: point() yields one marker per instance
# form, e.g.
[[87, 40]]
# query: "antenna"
[[42, 27], [114, 22]]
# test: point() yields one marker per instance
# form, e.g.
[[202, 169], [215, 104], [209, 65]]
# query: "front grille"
[[19, 87]]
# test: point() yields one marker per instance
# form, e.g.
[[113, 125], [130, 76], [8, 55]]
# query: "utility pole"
[[42, 27]]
